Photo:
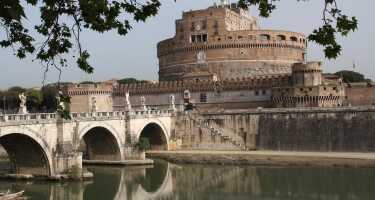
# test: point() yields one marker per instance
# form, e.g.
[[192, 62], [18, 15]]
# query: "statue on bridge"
[[172, 104], [143, 103], [23, 108], [128, 105]]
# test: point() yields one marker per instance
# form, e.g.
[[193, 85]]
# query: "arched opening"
[[25, 155], [294, 39], [264, 37], [280, 38], [156, 136], [100, 144]]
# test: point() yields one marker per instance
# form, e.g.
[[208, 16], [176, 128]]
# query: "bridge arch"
[[157, 134], [100, 142], [27, 152]]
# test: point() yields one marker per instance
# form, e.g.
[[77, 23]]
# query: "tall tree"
[[49, 102], [34, 100]]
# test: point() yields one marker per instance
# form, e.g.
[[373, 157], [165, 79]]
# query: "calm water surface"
[[190, 182]]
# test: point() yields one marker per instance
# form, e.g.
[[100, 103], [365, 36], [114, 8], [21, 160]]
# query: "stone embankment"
[[268, 158]]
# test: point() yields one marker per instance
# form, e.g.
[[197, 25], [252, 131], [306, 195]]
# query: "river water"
[[164, 180]]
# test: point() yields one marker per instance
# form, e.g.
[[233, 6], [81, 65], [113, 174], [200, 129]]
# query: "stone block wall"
[[350, 129], [360, 94]]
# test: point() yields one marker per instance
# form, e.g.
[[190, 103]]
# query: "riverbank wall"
[[268, 158], [346, 129]]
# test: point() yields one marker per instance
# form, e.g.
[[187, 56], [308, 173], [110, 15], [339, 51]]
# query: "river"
[[164, 180]]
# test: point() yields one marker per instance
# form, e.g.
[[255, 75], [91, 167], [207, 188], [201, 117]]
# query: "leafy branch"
[[334, 22]]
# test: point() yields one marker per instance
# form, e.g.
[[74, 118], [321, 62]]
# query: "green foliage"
[[34, 100], [62, 21], [351, 76], [334, 22], [49, 102], [130, 81], [143, 144]]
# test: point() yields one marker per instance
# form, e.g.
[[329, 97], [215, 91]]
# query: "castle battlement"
[[105, 88], [202, 85]]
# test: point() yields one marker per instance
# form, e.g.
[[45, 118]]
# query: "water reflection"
[[169, 181]]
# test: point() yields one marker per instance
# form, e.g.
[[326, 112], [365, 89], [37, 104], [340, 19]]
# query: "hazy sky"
[[134, 55]]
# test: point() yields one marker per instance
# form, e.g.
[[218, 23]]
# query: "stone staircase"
[[215, 129]]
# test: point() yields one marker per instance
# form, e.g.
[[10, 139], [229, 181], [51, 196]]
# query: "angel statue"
[[23, 108]]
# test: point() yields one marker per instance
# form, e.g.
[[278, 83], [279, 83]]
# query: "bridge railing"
[[14, 118], [25, 117], [151, 112]]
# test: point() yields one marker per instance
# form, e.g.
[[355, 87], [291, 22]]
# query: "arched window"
[[264, 37], [294, 39], [280, 38]]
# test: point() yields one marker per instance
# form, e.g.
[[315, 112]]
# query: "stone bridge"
[[43, 144]]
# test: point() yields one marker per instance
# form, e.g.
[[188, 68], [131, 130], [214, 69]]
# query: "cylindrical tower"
[[226, 41]]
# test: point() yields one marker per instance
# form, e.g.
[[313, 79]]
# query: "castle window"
[[204, 37], [324, 88], [193, 39], [199, 38], [310, 89], [230, 37], [256, 92], [280, 38], [264, 37], [240, 37], [294, 39], [264, 92], [301, 89], [203, 98], [218, 39]]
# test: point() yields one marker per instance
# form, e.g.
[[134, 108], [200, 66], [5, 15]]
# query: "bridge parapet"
[[150, 113], [14, 119], [31, 118]]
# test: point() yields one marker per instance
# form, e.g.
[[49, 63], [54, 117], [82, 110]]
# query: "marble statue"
[[143, 103], [128, 105], [23, 107], [172, 104]]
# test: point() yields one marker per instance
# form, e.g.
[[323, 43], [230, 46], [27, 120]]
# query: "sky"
[[134, 55]]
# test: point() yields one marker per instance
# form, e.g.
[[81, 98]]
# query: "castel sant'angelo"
[[220, 58]]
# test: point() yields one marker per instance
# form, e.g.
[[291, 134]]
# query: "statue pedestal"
[[22, 110]]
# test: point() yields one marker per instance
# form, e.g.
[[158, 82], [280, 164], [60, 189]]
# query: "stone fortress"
[[220, 58]]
